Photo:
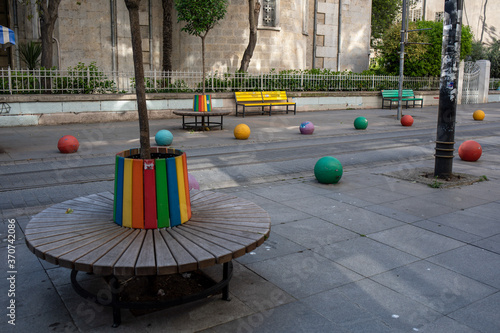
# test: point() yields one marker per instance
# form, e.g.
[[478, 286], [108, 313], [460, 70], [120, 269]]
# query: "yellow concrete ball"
[[241, 132], [478, 115]]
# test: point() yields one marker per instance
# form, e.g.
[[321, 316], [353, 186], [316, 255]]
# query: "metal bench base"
[[117, 305]]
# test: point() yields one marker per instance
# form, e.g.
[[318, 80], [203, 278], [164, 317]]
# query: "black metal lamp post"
[[452, 27]]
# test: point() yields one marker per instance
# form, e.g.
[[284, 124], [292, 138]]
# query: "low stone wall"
[[29, 110]]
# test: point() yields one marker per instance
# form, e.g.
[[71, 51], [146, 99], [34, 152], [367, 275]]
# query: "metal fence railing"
[[99, 82], [494, 84]]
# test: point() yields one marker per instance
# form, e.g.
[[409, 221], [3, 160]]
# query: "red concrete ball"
[[68, 144], [407, 120], [470, 151]]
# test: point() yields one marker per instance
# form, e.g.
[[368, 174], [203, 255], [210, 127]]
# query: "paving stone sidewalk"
[[370, 254]]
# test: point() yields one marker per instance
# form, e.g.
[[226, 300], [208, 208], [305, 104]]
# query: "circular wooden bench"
[[80, 234], [202, 124]]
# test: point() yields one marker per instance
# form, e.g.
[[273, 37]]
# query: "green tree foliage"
[[489, 52], [200, 16], [420, 60], [384, 13], [30, 54], [494, 58]]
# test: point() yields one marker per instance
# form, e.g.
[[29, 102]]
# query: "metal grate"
[[470, 88]]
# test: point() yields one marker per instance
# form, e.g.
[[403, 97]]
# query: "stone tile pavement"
[[370, 254]]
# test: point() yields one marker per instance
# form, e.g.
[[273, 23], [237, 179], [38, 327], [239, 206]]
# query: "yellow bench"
[[278, 98], [262, 99]]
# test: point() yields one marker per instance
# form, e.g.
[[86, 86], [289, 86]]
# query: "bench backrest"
[[274, 96], [248, 96], [395, 93]]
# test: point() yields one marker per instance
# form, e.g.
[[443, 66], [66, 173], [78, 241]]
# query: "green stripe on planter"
[[162, 194]]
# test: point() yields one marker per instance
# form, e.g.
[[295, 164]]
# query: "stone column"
[[484, 80], [460, 85]]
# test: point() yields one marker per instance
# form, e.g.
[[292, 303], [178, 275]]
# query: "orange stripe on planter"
[[137, 194]]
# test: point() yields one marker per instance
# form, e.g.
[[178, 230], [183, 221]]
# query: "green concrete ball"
[[360, 123], [328, 170]]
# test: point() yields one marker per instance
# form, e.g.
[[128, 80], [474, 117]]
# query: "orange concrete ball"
[[241, 132], [478, 115], [68, 144], [470, 151], [407, 120]]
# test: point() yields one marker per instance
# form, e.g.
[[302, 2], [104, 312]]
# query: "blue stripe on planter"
[[173, 192], [119, 190]]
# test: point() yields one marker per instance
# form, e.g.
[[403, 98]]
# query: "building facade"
[[292, 34]]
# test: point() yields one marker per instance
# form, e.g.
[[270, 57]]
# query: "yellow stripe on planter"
[[127, 193], [182, 189]]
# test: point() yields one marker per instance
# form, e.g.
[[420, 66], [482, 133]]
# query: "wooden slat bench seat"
[[278, 98], [203, 123], [221, 228], [392, 96], [262, 100], [80, 234]]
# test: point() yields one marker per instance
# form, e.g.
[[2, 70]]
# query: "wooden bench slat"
[[203, 258], [44, 233], [261, 225], [126, 264], [220, 253], [86, 262], [185, 261], [54, 254], [258, 231], [42, 246], [105, 264], [146, 262], [243, 241], [200, 198], [165, 261], [233, 246], [232, 233], [68, 259]]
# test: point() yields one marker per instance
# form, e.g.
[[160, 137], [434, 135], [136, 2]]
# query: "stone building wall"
[[344, 23], [99, 31], [282, 47]]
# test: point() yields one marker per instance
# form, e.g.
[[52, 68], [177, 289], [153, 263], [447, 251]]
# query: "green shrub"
[[83, 79]]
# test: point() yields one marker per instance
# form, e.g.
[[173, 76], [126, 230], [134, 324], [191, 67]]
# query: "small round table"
[[202, 124]]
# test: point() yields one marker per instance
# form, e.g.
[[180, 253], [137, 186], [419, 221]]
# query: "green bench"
[[407, 96]]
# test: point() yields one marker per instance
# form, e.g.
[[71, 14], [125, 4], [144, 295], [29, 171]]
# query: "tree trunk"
[[484, 22], [203, 59], [133, 9], [167, 34], [48, 18], [253, 18]]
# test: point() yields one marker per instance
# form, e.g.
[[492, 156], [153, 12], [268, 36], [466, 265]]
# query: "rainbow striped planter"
[[202, 103], [154, 193]]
